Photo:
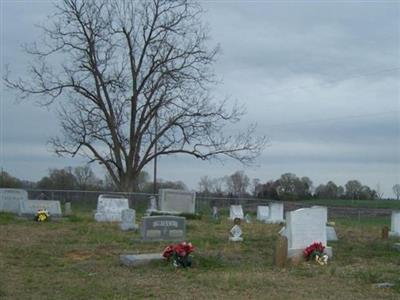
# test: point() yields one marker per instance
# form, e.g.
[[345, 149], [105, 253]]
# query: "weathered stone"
[[177, 201], [67, 209], [30, 207], [139, 259], [11, 200], [109, 208], [128, 220], [281, 252], [236, 211], [163, 228]]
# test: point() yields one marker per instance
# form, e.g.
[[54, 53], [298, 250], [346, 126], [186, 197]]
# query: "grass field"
[[76, 258]]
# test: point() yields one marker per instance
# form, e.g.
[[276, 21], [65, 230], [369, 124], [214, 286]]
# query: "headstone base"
[[393, 233], [109, 217], [331, 234], [299, 252], [235, 239], [268, 221], [126, 227], [139, 259]]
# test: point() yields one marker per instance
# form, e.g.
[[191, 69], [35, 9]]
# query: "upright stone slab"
[[262, 213], [128, 220], [304, 227], [236, 211], [11, 200], [395, 224], [179, 201], [330, 230], [109, 208], [163, 228], [275, 213], [67, 209], [30, 207]]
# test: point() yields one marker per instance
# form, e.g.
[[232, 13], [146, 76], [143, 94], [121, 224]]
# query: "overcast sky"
[[321, 79]]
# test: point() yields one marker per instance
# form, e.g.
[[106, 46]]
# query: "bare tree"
[[396, 191], [133, 79], [238, 183]]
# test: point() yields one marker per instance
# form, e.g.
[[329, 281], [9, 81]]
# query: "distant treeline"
[[288, 187]]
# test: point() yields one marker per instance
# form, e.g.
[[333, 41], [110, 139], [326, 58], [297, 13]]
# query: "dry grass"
[[78, 259]]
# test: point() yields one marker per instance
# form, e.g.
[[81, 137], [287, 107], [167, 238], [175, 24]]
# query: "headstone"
[[128, 220], [153, 204], [215, 213], [236, 211], [139, 259], [67, 209], [395, 224], [304, 227], [247, 218], [179, 201], [236, 233], [163, 228], [10, 200], [281, 252], [109, 208], [275, 213], [262, 213], [30, 207]]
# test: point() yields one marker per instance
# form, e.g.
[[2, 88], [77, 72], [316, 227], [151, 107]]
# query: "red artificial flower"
[[315, 247]]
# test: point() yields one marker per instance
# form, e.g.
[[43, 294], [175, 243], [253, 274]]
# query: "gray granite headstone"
[[163, 228], [128, 221], [30, 207], [179, 201], [11, 200]]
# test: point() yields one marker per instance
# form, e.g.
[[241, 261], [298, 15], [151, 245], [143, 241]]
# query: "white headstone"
[[247, 218], [110, 209], [236, 233], [304, 227], [215, 212], [275, 213], [10, 200], [262, 213], [236, 211], [30, 207], [153, 204], [177, 201], [395, 223], [128, 219]]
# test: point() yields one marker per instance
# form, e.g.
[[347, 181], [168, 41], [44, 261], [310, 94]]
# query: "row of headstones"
[[273, 213], [16, 201]]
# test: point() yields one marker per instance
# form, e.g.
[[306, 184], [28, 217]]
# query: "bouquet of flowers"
[[180, 254], [316, 252], [42, 215]]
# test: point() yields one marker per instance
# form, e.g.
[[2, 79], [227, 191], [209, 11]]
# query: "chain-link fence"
[[87, 201]]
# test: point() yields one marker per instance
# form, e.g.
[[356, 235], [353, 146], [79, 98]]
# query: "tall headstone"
[[395, 224], [275, 213], [330, 230], [67, 209], [109, 208], [128, 220], [236, 211], [11, 200], [179, 201], [304, 227], [262, 213], [163, 228]]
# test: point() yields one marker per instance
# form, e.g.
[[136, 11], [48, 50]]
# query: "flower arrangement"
[[180, 254], [316, 252], [42, 215]]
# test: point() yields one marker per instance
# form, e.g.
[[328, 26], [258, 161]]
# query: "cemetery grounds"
[[77, 258]]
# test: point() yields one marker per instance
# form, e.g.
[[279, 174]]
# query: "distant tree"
[[396, 191], [130, 75], [85, 178], [379, 192], [328, 191], [255, 184], [58, 179], [238, 183], [353, 189], [269, 190], [205, 185], [8, 181], [290, 187]]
